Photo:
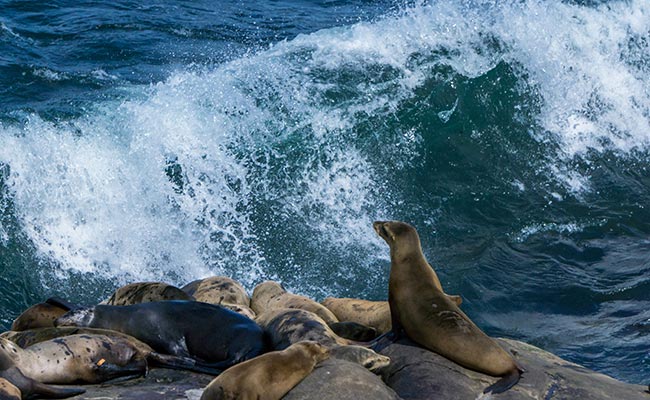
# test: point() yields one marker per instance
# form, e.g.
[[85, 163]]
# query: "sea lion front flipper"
[[29, 387], [505, 383], [456, 299]]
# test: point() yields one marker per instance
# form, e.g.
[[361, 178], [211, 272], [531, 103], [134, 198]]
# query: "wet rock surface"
[[414, 374]]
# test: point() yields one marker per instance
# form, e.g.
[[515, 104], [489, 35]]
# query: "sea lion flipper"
[[182, 363], [64, 304], [455, 298], [354, 331], [505, 383], [54, 392]]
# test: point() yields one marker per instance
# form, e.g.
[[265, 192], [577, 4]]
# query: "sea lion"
[[25, 339], [375, 314], [77, 358], [27, 386], [222, 291], [286, 326], [212, 335], [41, 315], [421, 310], [354, 331], [269, 376], [8, 391], [144, 292], [271, 295]]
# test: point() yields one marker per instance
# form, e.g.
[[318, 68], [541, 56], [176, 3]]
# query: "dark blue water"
[[175, 140]]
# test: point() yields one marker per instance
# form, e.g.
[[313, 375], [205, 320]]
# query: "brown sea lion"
[[39, 315], [222, 291], [271, 295], [144, 292], [269, 376], [287, 326], [214, 336], [8, 391], [42, 315], [421, 310], [375, 314]]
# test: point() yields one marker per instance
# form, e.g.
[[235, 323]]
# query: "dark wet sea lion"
[[420, 309], [213, 335], [269, 376], [144, 292], [271, 295], [287, 326]]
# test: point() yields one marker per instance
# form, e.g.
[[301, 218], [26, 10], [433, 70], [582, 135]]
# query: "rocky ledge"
[[414, 373]]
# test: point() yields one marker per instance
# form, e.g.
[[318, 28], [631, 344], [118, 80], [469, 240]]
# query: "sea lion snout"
[[380, 228]]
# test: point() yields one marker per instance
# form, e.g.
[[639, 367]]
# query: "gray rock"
[[341, 380], [418, 374], [159, 384]]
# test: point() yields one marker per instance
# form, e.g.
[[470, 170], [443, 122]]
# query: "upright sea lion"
[[8, 391], [269, 376], [271, 295], [421, 310], [285, 326], [29, 387], [144, 292], [222, 291], [212, 335], [77, 358]]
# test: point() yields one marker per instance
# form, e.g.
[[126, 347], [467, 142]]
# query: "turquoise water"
[[172, 141]]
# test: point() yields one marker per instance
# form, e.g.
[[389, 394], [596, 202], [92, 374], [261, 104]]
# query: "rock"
[[341, 380], [418, 374], [159, 384]]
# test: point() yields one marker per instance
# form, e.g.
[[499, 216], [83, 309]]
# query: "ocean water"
[[176, 140]]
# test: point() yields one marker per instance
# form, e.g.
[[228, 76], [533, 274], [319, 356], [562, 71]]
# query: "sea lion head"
[[78, 317], [398, 235]]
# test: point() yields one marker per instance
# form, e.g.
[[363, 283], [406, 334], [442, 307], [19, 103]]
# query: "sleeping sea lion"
[[144, 292], [269, 376], [212, 335], [271, 295], [286, 326], [222, 291], [27, 386]]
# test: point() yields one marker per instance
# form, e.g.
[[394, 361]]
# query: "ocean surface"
[[173, 140]]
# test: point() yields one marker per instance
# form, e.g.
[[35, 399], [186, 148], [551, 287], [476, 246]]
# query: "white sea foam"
[[275, 131]]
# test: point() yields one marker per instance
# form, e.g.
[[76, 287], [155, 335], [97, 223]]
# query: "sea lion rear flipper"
[[505, 383], [54, 392], [64, 304], [182, 363], [354, 331]]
